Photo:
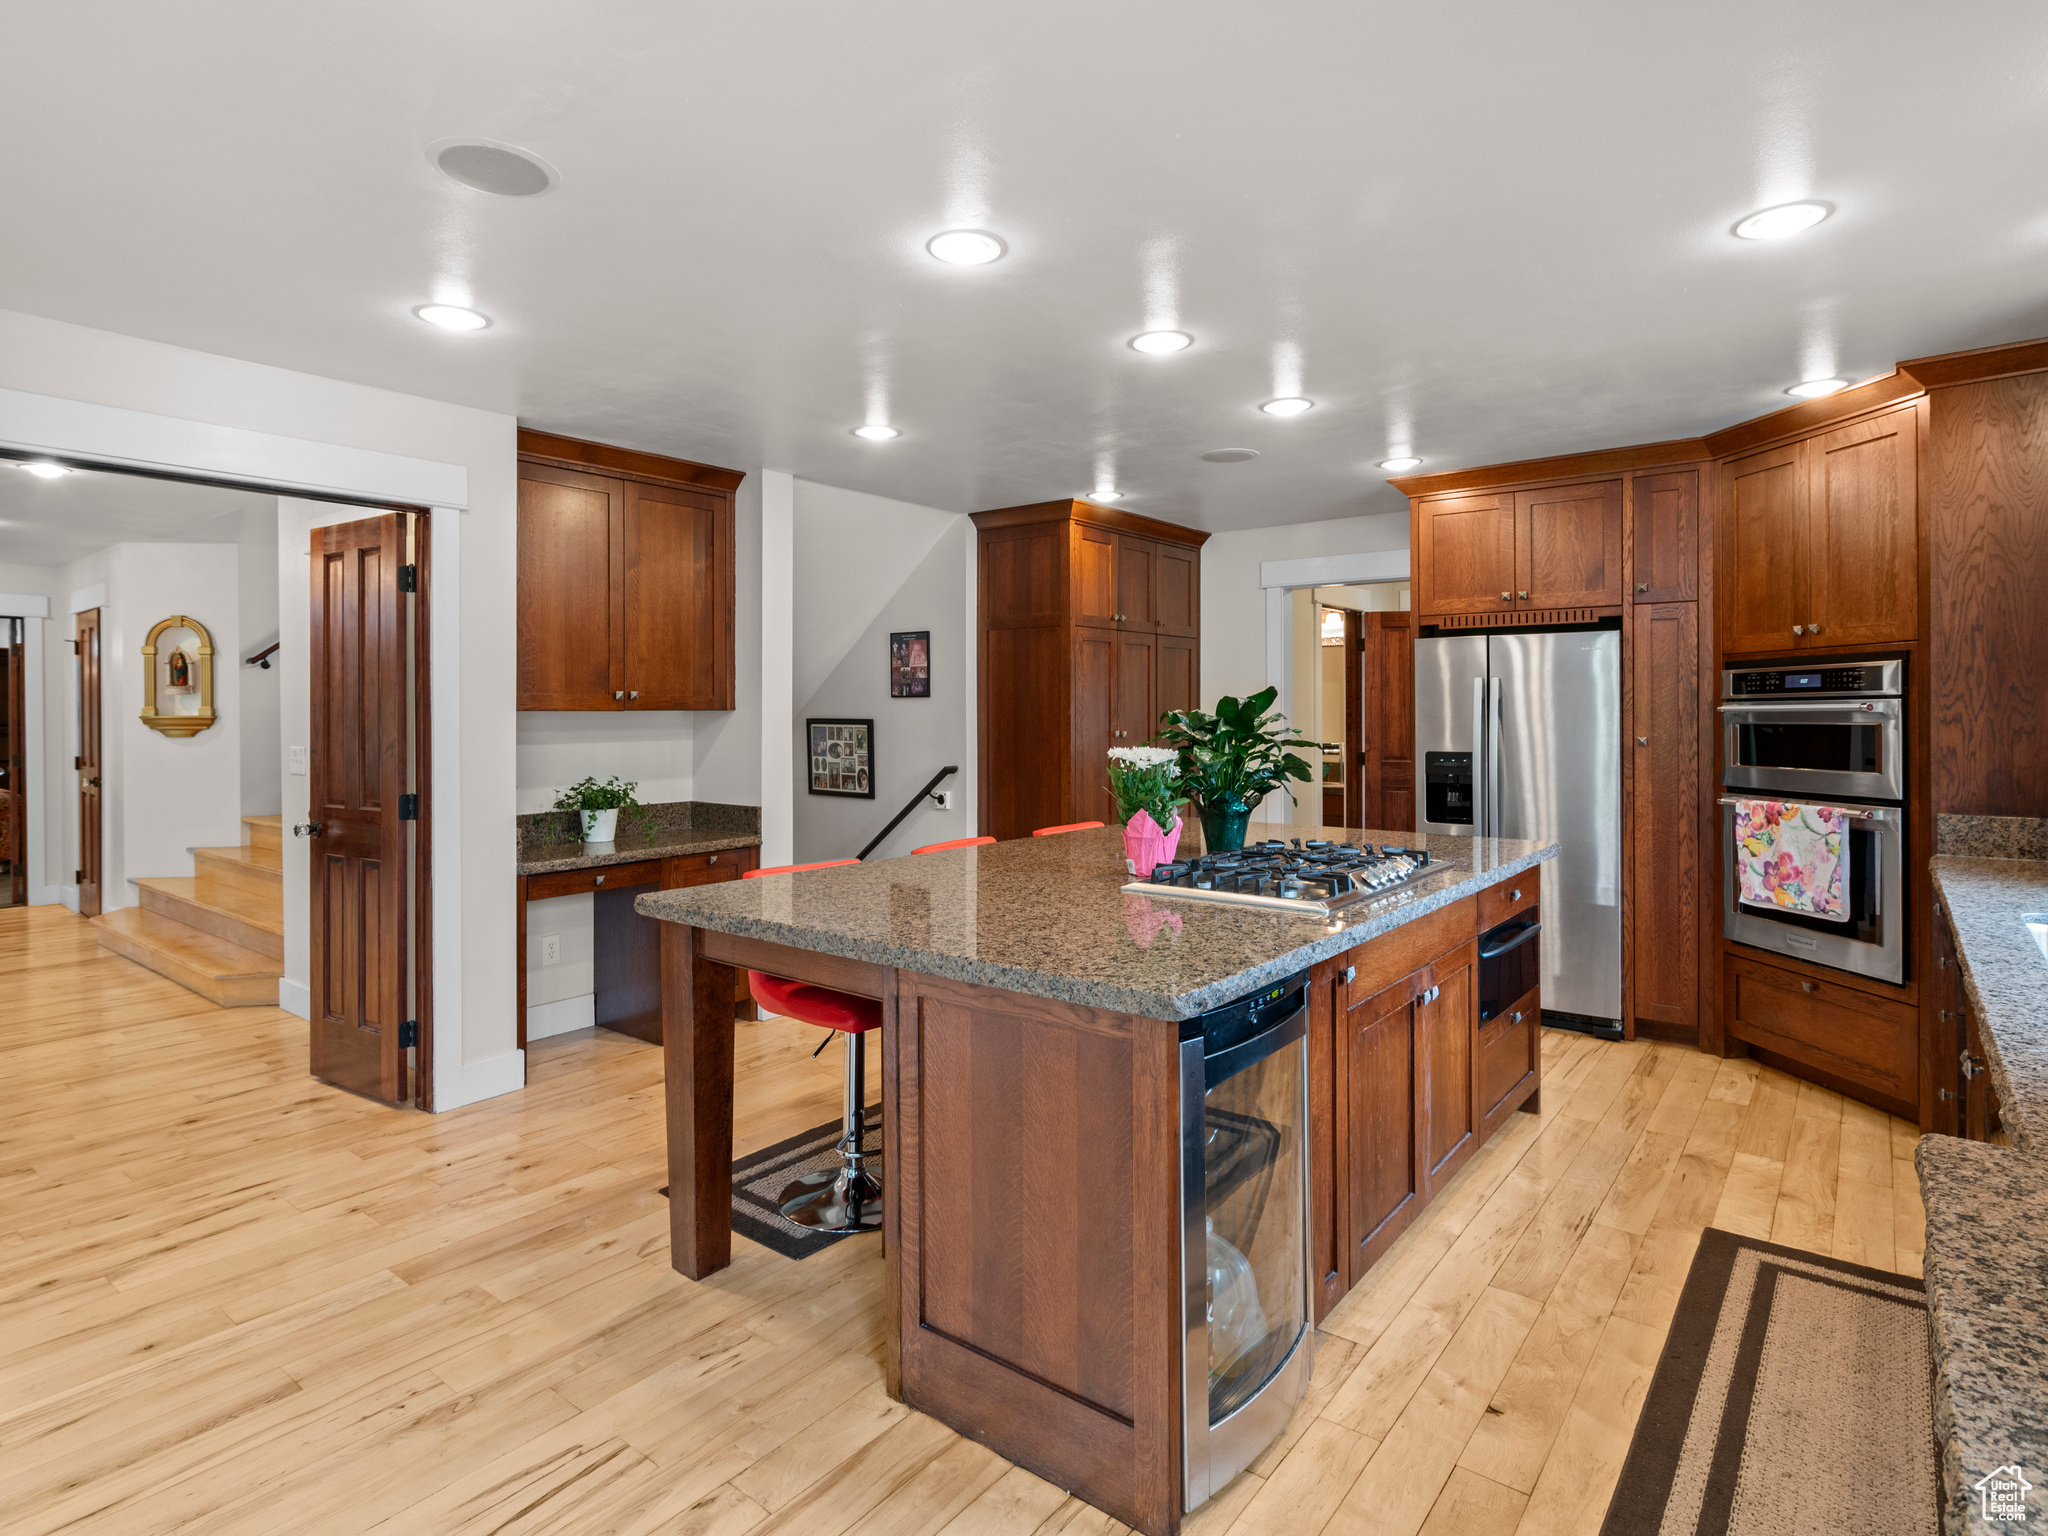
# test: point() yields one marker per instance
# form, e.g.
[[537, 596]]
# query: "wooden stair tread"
[[252, 857], [263, 831], [191, 949], [266, 912]]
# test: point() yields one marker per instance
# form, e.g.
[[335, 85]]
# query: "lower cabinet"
[[1510, 1052], [1867, 1044], [1965, 1104]]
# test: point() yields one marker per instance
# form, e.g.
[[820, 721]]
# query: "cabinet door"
[[1664, 897], [1135, 708], [1447, 1108], [1862, 534], [1465, 555], [1384, 1185], [1663, 529], [677, 574], [1094, 578], [1951, 1036], [1568, 547], [1763, 515], [1135, 568], [1095, 661], [1180, 676], [1177, 589], [569, 524]]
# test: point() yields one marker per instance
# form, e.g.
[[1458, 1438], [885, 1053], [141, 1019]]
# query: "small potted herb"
[[1233, 759], [1141, 779], [599, 805]]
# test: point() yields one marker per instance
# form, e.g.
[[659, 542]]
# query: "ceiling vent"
[[1230, 455], [496, 168]]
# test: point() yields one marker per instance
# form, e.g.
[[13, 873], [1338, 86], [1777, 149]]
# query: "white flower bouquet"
[[1145, 784]]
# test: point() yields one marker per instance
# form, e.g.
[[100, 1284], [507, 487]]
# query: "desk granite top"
[[550, 841], [1045, 915], [1986, 1261]]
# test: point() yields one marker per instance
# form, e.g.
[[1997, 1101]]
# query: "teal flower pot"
[[1223, 824]]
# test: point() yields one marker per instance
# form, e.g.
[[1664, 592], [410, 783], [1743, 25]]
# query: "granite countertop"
[[1045, 915], [551, 841], [1986, 1262]]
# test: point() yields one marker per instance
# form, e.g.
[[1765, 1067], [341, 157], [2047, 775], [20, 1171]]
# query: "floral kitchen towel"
[[1793, 856]]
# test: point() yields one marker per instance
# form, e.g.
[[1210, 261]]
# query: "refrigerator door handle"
[[1493, 806], [1482, 803]]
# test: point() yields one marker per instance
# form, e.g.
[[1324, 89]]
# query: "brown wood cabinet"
[[1965, 1103], [1664, 531], [1514, 552], [1090, 630], [1842, 1034], [625, 579], [1667, 884], [1821, 538]]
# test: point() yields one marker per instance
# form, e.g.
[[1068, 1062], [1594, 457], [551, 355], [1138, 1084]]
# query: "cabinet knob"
[[620, 694], [1518, 1015], [1642, 586], [1642, 741], [1943, 1014], [1515, 895], [1350, 974], [634, 694], [1813, 629], [1521, 597], [712, 860], [1808, 988], [1507, 597], [1798, 629], [599, 880]]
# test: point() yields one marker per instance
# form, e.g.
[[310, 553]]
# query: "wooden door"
[[1387, 722], [1763, 517], [570, 524], [1663, 536], [1447, 1109], [1353, 796], [1465, 556], [676, 619], [1180, 676], [1136, 570], [1384, 1185], [1094, 561], [14, 769], [1664, 897], [1095, 665], [357, 639], [1177, 589], [91, 826], [1862, 534], [1135, 705], [1568, 547]]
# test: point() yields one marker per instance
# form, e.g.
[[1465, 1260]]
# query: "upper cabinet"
[[625, 579], [1465, 555], [1820, 539], [1511, 552], [1663, 530]]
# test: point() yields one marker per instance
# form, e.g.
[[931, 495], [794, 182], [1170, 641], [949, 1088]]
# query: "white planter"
[[599, 826]]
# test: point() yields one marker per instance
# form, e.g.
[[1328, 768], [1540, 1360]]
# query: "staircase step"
[[254, 922], [218, 970], [252, 871], [263, 831]]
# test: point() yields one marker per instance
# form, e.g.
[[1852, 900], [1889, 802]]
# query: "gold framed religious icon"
[[183, 677]]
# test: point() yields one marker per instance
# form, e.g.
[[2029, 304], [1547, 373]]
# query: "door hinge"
[[408, 807], [408, 578], [77, 762], [408, 1034]]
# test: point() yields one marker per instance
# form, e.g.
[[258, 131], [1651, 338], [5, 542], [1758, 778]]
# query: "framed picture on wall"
[[842, 756], [910, 664]]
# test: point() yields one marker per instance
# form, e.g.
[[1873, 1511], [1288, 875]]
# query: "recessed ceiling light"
[[874, 432], [1815, 387], [1104, 496], [1399, 464], [1292, 406], [1230, 455], [500, 168], [1786, 219], [43, 469], [452, 317], [1162, 341], [965, 247]]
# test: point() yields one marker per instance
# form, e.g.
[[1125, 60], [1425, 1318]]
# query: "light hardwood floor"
[[235, 1301]]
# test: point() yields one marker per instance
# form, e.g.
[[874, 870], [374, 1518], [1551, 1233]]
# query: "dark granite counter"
[[1986, 1261], [551, 841], [1045, 915]]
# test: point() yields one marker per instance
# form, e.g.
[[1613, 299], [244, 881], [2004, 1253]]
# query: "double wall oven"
[[1833, 736]]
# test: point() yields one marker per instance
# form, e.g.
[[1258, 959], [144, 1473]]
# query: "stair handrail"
[[897, 820], [262, 657]]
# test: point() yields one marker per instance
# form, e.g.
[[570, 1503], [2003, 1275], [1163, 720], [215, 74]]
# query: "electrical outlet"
[[299, 761], [551, 949], [945, 799]]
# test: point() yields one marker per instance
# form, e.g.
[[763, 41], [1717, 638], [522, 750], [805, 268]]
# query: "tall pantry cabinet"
[[1089, 631]]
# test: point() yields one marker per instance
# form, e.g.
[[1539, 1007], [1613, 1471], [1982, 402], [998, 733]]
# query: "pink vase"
[[1146, 846]]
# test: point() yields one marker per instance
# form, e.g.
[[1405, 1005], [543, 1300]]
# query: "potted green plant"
[[599, 805], [1232, 759], [1143, 781]]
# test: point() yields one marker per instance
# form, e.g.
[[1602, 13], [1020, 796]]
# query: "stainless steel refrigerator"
[[1519, 736]]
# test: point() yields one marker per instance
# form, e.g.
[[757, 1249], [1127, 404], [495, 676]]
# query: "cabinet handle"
[[1642, 741], [620, 694], [1798, 629], [1808, 988], [1642, 586]]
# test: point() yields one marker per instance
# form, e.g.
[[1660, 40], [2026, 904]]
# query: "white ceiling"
[[53, 522], [1487, 231]]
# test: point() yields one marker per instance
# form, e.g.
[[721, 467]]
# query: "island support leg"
[[697, 1047]]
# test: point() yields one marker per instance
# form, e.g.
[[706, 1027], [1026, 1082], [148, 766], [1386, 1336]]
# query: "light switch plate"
[[551, 949], [299, 761]]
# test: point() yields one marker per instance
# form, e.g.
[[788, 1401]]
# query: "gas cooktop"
[[1314, 878]]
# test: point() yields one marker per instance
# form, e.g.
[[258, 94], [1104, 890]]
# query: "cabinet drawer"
[[1507, 1052], [1863, 1039], [574, 882], [708, 868], [1498, 903], [1390, 957]]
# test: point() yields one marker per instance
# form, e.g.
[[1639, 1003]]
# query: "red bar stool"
[[1072, 826], [847, 1198], [958, 842]]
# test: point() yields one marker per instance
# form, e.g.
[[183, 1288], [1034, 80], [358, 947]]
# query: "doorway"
[[13, 763], [88, 762], [1354, 698]]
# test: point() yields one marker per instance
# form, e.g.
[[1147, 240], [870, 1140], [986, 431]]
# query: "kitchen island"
[[1032, 1065]]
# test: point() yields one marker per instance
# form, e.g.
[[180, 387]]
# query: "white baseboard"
[[68, 894], [474, 1081], [561, 1016], [295, 998], [49, 896]]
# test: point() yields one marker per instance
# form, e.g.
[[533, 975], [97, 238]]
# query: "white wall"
[[655, 750], [187, 397], [253, 531]]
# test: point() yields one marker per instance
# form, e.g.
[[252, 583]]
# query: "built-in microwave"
[[1805, 731]]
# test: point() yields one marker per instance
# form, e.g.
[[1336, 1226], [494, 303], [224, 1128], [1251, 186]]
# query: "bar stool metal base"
[[847, 1198]]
